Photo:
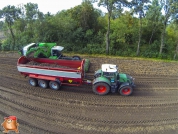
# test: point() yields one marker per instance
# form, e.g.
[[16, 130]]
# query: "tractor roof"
[[29, 45], [59, 48], [109, 68]]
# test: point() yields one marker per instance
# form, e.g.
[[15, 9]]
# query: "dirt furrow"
[[77, 110]]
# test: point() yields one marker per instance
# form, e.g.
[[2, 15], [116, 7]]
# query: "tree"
[[176, 51], [86, 17], [139, 7], [10, 14], [153, 16], [111, 5], [170, 9], [1, 25], [124, 34], [176, 22], [34, 19], [172, 33], [31, 11], [30, 27]]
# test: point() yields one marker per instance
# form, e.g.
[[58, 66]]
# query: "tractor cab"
[[109, 70], [56, 51]]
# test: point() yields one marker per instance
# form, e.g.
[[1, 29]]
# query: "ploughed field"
[[151, 109]]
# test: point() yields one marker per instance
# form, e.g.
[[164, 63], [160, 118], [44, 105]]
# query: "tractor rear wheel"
[[33, 82], [126, 90], [43, 83], [101, 88], [54, 85]]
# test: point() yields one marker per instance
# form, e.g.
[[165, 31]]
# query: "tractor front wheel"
[[126, 90], [101, 88]]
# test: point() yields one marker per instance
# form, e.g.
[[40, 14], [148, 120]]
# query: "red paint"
[[126, 91], [101, 89], [74, 65]]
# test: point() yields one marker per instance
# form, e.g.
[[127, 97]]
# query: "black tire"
[[54, 85], [76, 58], [101, 88], [43, 83], [33, 82], [126, 90]]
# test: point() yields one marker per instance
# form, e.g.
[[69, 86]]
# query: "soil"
[[47, 65], [151, 109]]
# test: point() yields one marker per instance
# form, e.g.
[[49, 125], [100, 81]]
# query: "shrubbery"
[[82, 29]]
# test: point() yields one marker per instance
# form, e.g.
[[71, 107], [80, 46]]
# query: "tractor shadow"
[[140, 90]]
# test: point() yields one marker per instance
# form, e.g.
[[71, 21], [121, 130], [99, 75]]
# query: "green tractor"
[[109, 79], [48, 50], [45, 50]]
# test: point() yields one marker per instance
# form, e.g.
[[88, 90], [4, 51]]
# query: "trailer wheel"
[[126, 90], [101, 88], [43, 83], [33, 82], [54, 85], [76, 58]]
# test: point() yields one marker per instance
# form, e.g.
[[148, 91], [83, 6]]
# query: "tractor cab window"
[[56, 53], [109, 74]]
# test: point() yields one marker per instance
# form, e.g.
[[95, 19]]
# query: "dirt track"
[[152, 109]]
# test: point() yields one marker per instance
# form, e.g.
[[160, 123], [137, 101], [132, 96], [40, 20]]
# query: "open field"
[[151, 109]]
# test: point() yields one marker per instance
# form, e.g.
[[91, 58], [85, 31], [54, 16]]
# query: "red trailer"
[[54, 72], [44, 72]]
